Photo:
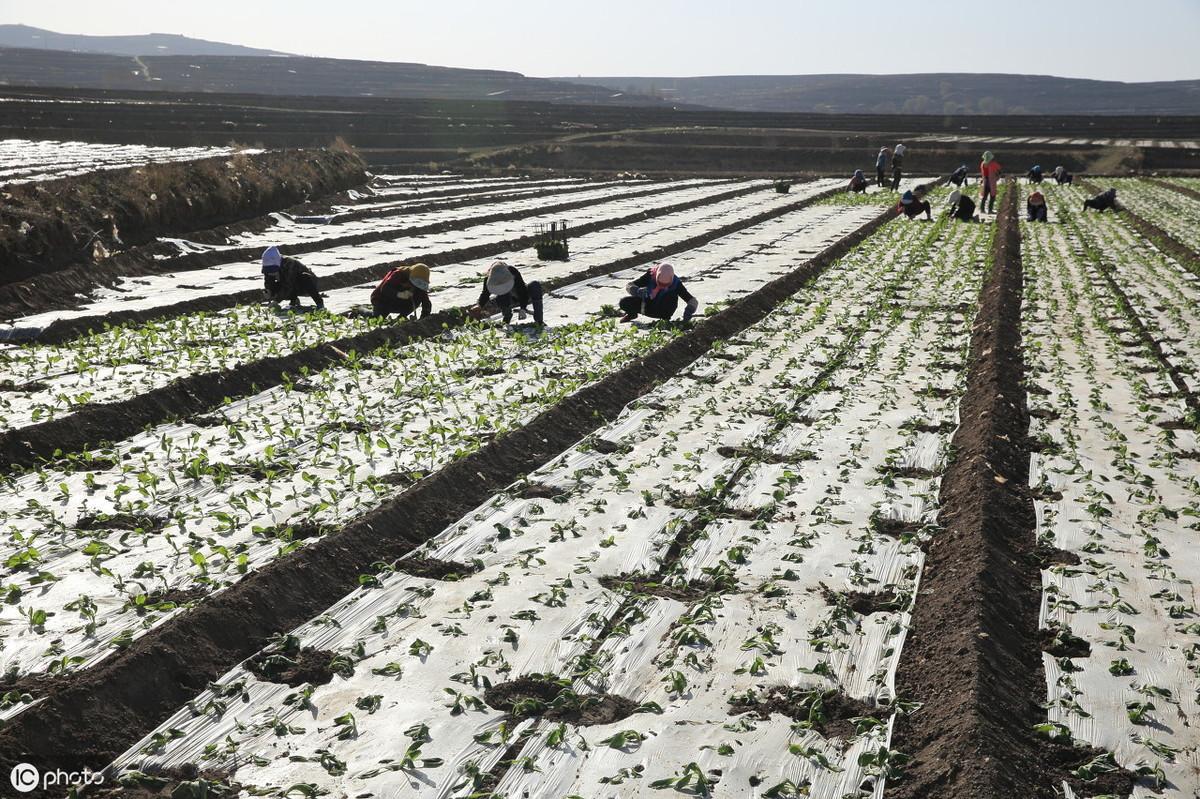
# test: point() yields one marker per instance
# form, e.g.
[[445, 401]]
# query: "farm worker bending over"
[[287, 278], [1035, 207], [656, 294], [961, 207], [1061, 175], [1102, 202], [912, 206], [402, 290], [858, 183], [897, 163], [959, 176], [989, 178], [1035, 174], [504, 287], [880, 167]]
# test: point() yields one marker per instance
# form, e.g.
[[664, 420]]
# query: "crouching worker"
[[402, 290], [911, 206], [1035, 174], [504, 288], [1102, 202], [858, 183], [959, 176], [286, 279], [961, 207], [656, 293], [1061, 176], [1035, 207]]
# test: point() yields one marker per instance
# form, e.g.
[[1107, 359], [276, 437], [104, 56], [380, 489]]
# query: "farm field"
[[250, 552], [26, 161]]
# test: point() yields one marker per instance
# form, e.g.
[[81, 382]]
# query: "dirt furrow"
[[93, 716], [92, 426], [972, 658], [1186, 191]]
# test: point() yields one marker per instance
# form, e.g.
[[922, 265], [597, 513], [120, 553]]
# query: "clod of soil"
[[1062, 643], [1175, 424], [1066, 757], [540, 491], [434, 569], [299, 531], [942, 428], [86, 465], [910, 472], [764, 456], [895, 528], [827, 712], [545, 696], [642, 584], [1044, 413], [121, 521], [606, 447], [290, 664], [937, 393], [27, 388], [864, 603], [1050, 556], [183, 782]]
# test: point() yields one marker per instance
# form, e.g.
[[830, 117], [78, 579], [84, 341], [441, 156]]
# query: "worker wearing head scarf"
[[504, 287], [989, 179], [858, 183], [656, 293], [1035, 207], [402, 290], [881, 167], [286, 278], [961, 207]]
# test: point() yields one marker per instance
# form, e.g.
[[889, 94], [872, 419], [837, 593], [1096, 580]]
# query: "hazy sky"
[[1109, 39]]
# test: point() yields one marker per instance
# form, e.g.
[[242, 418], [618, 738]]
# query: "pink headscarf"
[[664, 276]]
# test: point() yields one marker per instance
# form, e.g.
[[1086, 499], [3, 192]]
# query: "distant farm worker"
[[989, 178], [1034, 174], [961, 207], [504, 287], [911, 206], [1061, 176], [959, 176], [1102, 202], [858, 183], [656, 293], [402, 290], [1035, 207], [880, 167], [286, 279], [897, 165]]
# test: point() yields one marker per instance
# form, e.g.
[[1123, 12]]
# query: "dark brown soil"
[[553, 701], [943, 428], [294, 668], [540, 491], [1186, 191], [1051, 557], [764, 456], [895, 528], [649, 586], [95, 715], [25, 388], [434, 569], [1062, 643], [864, 603], [177, 596], [828, 712], [972, 657]]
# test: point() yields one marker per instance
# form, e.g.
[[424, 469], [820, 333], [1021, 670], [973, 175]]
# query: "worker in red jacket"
[[989, 178], [402, 290]]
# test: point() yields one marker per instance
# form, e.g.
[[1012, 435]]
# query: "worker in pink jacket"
[[989, 178]]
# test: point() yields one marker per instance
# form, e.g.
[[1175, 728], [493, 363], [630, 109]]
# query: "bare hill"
[[947, 93], [148, 44]]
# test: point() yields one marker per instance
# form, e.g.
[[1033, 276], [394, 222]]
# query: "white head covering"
[[499, 280], [955, 196], [271, 259]]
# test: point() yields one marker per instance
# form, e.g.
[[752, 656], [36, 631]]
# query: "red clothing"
[[989, 173]]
